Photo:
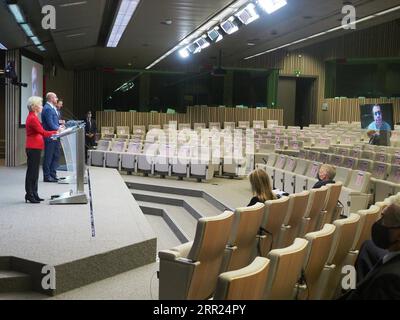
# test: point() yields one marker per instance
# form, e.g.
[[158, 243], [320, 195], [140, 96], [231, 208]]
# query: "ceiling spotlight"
[[248, 14], [229, 26], [193, 48], [203, 43], [184, 53], [271, 6], [214, 35]]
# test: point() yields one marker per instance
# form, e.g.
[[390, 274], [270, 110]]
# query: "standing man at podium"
[[90, 132], [52, 151]]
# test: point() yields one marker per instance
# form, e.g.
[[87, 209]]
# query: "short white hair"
[[34, 101], [49, 95]]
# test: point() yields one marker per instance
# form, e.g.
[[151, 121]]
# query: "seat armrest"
[[183, 249]]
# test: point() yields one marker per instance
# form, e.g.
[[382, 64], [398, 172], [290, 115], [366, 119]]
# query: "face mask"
[[381, 235]]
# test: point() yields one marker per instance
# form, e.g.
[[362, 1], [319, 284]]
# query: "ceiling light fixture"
[[248, 14], [73, 4], [2, 47], [126, 10], [27, 29], [16, 11], [215, 35], [41, 48], [229, 26], [210, 24], [324, 32], [36, 41], [184, 53], [270, 6]]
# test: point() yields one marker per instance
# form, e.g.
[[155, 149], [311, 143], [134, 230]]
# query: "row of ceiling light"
[[240, 12], [19, 17]]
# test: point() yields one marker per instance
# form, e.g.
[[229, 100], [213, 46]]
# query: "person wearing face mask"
[[326, 175], [383, 281]]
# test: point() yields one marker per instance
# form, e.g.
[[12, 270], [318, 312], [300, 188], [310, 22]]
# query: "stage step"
[[11, 281], [198, 206], [179, 220]]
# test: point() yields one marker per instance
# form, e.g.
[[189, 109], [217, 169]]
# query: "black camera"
[[10, 73]]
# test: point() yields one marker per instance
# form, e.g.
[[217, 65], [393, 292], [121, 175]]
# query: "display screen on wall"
[[377, 116], [32, 75]]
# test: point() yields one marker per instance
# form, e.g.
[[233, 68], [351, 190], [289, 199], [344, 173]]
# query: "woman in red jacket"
[[34, 146]]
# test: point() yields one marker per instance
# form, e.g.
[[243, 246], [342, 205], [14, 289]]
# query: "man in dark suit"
[[326, 175], [52, 151], [383, 281], [90, 132]]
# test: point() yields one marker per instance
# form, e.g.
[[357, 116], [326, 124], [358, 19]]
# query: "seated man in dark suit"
[[383, 281], [326, 175]]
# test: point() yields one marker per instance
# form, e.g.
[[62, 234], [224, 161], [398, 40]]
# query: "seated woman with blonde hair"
[[261, 187]]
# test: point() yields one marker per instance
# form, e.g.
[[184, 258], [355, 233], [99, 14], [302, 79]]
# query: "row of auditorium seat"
[[226, 265], [296, 175], [178, 158]]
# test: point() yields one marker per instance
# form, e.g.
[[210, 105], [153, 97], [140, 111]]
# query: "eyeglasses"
[[377, 113]]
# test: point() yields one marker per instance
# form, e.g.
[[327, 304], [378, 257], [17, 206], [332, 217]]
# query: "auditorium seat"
[[364, 165], [343, 238], [247, 283], [319, 245], [367, 218], [335, 160], [154, 126], [229, 125], [190, 271], [349, 162], [280, 164], [308, 180], [123, 132], [355, 196], [355, 153], [162, 161], [294, 217], [181, 162], [285, 270], [330, 209], [312, 155], [199, 126], [274, 215], [366, 154], [323, 157], [107, 133], [315, 206], [113, 156], [391, 186], [343, 175], [244, 124], [302, 166], [272, 123], [242, 241], [258, 124], [128, 159], [214, 125], [145, 161], [279, 174], [182, 126], [96, 156], [383, 157]]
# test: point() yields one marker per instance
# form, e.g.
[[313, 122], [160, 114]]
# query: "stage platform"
[[83, 246]]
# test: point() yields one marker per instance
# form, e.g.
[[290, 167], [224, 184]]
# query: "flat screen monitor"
[[378, 117]]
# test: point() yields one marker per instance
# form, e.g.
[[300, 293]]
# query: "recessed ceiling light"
[[75, 35], [126, 11], [72, 4], [251, 44], [2, 47], [167, 22]]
